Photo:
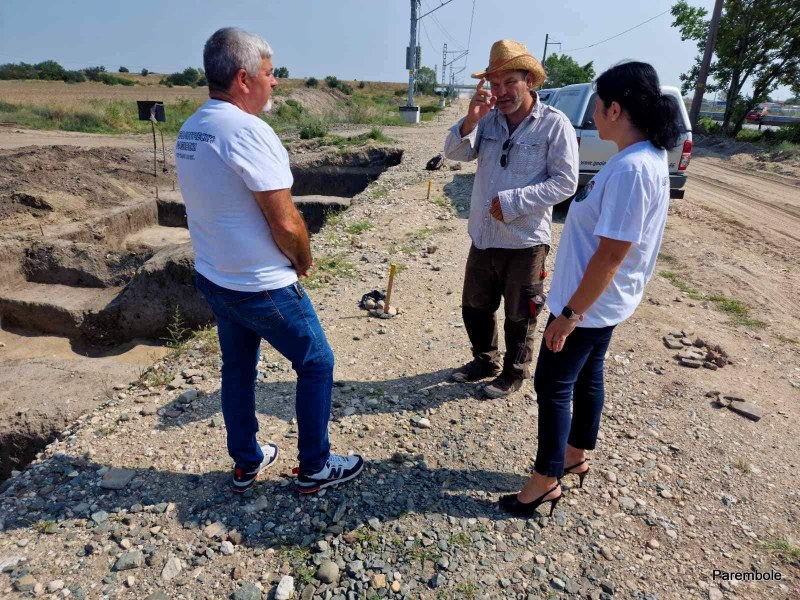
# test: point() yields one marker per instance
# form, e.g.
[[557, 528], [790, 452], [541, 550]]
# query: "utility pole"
[[409, 112], [444, 61], [411, 55], [700, 85], [547, 43]]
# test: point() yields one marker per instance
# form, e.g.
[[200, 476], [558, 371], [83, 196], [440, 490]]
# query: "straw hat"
[[508, 55]]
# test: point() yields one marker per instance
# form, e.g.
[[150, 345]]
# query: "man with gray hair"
[[250, 245]]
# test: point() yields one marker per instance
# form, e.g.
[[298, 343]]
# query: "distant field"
[[99, 108]]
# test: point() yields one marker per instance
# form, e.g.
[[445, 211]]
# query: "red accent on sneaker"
[[238, 472], [296, 471], [307, 490]]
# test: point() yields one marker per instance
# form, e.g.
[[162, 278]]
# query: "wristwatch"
[[570, 314]]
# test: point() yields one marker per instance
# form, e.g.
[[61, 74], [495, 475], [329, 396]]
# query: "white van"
[[577, 102]]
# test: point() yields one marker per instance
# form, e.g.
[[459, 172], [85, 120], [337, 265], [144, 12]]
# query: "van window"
[[570, 103], [588, 116]]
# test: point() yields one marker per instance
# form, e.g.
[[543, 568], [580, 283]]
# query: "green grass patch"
[[374, 135], [96, 116], [314, 128], [784, 547], [736, 309], [440, 201], [676, 280], [379, 191], [328, 268], [467, 590], [48, 527], [358, 227], [460, 539], [667, 258], [304, 574], [417, 238], [787, 340]]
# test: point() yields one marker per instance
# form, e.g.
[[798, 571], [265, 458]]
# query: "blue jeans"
[[573, 376], [286, 319]]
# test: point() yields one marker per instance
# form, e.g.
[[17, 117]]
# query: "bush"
[[74, 76], [50, 70], [787, 133], [109, 79], [281, 72], [18, 71], [332, 81], [706, 125], [401, 93], [312, 82], [361, 85], [291, 110], [313, 129], [343, 87], [124, 70], [190, 76], [749, 135], [376, 134], [145, 73], [93, 73]]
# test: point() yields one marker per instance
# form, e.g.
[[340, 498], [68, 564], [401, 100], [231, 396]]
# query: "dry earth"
[[679, 486]]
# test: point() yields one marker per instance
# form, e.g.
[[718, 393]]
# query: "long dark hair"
[[635, 86]]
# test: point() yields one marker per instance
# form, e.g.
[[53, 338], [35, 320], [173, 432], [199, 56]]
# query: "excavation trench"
[[122, 274]]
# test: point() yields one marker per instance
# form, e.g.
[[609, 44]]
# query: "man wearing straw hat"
[[527, 162]]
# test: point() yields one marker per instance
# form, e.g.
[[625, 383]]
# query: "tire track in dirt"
[[757, 203]]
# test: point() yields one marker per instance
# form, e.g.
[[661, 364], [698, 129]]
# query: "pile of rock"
[[696, 353], [376, 309]]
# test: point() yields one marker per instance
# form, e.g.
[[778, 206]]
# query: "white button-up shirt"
[[541, 171]]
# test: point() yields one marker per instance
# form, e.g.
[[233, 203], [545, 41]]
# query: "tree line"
[[50, 70], [758, 43]]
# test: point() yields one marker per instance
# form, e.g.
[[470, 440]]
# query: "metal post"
[[700, 85], [544, 54], [155, 151], [413, 46]]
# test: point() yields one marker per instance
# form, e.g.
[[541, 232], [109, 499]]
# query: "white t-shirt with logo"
[[223, 155], [627, 201]]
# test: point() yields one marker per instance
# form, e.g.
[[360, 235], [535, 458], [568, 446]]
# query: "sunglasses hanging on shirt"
[[504, 155]]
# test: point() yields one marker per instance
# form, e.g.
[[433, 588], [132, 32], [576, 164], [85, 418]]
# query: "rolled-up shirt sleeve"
[[461, 148], [562, 180]]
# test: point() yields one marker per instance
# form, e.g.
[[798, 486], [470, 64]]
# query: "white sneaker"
[[337, 469], [244, 476]]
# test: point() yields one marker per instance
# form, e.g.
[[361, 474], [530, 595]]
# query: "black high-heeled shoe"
[[510, 503], [581, 476]]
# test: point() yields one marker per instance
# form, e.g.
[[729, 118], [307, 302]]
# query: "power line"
[[444, 31], [469, 37], [619, 34]]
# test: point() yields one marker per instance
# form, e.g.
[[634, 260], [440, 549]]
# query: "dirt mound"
[[319, 102], [55, 184]]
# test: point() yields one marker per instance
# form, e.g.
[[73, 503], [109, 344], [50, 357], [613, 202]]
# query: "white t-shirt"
[[627, 201], [223, 154]]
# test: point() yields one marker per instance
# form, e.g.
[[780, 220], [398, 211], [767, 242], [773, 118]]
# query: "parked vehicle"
[[577, 102], [547, 96], [755, 115]]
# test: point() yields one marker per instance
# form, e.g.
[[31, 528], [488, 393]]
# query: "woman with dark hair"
[[606, 256]]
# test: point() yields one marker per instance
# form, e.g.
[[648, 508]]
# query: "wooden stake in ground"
[[429, 190], [392, 271]]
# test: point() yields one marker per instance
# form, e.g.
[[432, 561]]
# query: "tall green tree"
[[426, 80], [758, 42], [564, 70]]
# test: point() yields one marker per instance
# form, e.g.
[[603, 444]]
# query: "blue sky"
[[352, 39]]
